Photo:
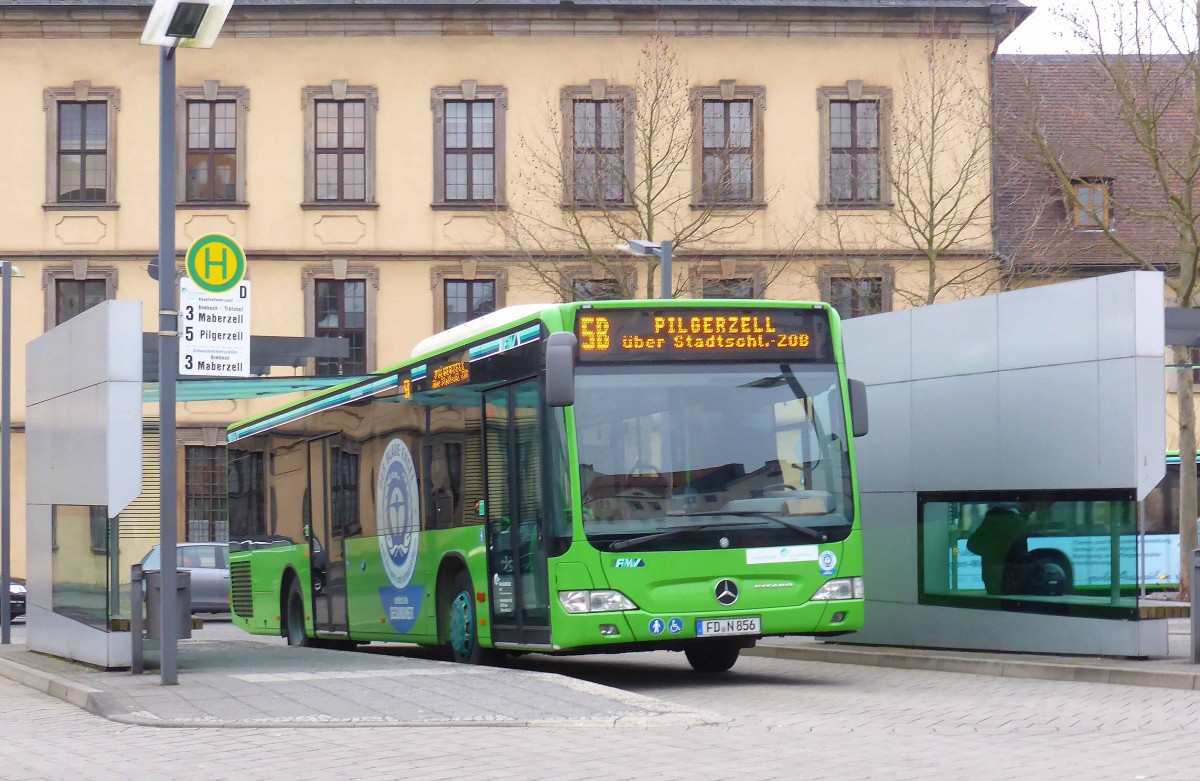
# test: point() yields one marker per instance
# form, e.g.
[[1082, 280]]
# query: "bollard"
[[1195, 611], [135, 619]]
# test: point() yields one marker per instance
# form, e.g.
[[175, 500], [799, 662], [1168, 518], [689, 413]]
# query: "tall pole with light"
[[8, 270], [172, 24], [663, 251]]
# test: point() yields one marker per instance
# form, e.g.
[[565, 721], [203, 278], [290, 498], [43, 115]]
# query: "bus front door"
[[517, 577], [327, 548]]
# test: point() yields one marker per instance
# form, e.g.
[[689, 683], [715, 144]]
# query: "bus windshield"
[[701, 456]]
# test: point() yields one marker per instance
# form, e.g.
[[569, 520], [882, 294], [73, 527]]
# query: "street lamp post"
[[8, 270], [663, 251], [172, 24]]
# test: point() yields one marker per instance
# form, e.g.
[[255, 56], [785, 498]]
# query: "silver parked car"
[[209, 564]]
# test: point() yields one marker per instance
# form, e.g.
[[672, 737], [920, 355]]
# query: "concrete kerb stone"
[[912, 659], [77, 694]]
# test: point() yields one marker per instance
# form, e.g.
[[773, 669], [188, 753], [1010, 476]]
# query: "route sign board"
[[214, 331], [215, 263]]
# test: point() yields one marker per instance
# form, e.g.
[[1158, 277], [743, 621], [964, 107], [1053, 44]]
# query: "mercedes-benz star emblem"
[[727, 592]]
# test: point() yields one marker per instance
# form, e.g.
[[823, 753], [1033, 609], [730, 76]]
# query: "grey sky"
[[1047, 32]]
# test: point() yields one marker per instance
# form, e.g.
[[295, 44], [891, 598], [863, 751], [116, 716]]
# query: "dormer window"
[[1092, 209]]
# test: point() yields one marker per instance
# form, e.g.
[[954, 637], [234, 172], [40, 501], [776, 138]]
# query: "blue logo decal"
[[626, 563], [828, 563], [657, 626], [402, 606], [397, 513], [675, 626]]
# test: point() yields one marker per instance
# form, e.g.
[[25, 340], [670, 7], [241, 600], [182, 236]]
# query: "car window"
[[151, 561], [199, 557]]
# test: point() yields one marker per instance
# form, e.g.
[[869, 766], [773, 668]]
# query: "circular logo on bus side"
[[397, 512]]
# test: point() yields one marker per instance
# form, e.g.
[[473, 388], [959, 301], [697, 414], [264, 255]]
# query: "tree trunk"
[[1187, 470]]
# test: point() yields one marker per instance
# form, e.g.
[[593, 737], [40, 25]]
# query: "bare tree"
[[941, 170], [602, 172], [1144, 54]]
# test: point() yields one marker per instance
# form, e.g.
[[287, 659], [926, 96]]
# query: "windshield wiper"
[[632, 541], [808, 531]]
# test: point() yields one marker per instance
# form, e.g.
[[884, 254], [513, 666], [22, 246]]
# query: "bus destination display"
[[682, 334]]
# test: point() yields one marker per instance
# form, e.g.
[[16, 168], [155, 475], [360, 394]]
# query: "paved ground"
[[769, 718]]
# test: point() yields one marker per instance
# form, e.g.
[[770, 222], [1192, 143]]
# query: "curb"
[[56, 686], [1002, 668]]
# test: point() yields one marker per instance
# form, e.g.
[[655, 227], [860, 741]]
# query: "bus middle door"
[[516, 540], [327, 547]]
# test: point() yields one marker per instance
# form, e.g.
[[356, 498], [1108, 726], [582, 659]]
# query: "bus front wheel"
[[712, 656], [296, 636], [462, 629]]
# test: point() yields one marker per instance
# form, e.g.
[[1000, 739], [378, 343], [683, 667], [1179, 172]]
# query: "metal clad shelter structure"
[[1047, 402], [84, 408]]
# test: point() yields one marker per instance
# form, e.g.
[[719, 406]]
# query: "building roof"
[[1074, 102]]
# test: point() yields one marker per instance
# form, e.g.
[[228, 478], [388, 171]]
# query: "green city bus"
[[571, 478]]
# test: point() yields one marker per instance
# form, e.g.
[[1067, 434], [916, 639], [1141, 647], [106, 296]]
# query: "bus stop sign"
[[215, 263]]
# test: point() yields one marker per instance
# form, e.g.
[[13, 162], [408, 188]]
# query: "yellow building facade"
[[383, 165]]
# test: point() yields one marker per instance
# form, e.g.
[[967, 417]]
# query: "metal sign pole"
[[168, 357], [6, 455], [664, 254]]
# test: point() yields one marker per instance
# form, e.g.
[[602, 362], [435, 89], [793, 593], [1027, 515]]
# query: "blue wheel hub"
[[462, 632]]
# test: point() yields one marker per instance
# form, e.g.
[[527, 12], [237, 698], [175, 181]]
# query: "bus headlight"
[[595, 601], [840, 588]]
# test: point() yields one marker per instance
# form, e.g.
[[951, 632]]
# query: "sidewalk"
[[1175, 671], [244, 683], [229, 680]]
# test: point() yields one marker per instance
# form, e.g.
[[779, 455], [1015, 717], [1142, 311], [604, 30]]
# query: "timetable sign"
[[214, 331]]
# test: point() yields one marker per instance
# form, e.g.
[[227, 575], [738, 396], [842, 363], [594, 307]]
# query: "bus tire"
[[296, 635], [712, 656], [462, 627]]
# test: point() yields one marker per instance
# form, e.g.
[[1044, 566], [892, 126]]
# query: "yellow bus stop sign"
[[215, 263]]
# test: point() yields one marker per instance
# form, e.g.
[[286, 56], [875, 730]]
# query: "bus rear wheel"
[[462, 629], [712, 656], [296, 636]]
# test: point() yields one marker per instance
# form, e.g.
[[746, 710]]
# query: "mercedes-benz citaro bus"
[[571, 478]]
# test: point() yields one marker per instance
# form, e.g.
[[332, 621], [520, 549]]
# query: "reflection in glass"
[[686, 457], [1040, 551], [80, 566]]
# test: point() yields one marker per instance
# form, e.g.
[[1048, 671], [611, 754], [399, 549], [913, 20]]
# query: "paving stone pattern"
[[782, 719]]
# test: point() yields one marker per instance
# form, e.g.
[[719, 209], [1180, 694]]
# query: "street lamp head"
[[640, 247], [185, 22], [13, 269], [192, 25]]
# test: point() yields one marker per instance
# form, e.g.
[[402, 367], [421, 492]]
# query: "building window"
[[73, 296], [740, 287], [75, 288], [468, 131], [854, 297], [858, 291], [599, 131], [81, 137], [98, 528], [597, 290], [206, 503], [468, 299], [339, 145], [1092, 210], [729, 135], [341, 311], [210, 135], [854, 135]]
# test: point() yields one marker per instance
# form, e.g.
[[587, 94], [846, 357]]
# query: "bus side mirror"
[[560, 369], [858, 407]]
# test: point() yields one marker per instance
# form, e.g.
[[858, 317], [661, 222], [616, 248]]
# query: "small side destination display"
[[683, 334]]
